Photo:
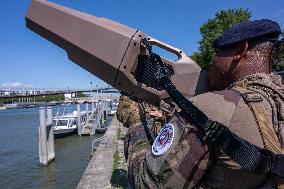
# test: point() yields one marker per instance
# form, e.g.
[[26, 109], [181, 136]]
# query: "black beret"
[[248, 30]]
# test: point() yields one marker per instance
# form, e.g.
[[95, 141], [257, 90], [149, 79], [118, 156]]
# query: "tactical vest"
[[254, 90]]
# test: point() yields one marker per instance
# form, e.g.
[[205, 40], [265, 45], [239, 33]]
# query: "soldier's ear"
[[241, 51]]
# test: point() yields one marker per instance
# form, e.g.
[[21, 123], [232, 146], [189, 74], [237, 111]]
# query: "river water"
[[19, 161]]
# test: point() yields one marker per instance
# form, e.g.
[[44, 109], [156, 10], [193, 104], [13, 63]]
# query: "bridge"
[[91, 99], [35, 93]]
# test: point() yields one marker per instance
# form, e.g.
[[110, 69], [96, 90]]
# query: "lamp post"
[[97, 92], [91, 88]]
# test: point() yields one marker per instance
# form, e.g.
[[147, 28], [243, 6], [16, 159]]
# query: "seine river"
[[19, 162]]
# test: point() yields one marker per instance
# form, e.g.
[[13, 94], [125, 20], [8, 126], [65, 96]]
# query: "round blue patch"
[[164, 140]]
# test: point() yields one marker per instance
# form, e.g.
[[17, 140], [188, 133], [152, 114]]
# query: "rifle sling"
[[244, 153]]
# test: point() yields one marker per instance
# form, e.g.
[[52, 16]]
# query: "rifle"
[[113, 52]]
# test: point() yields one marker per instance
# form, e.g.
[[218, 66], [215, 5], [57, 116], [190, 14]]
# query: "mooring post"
[[104, 112], [93, 109], [78, 119], [106, 109], [87, 112], [42, 137], [50, 139], [99, 114], [97, 118]]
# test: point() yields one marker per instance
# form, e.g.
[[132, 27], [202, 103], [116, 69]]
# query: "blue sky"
[[28, 60]]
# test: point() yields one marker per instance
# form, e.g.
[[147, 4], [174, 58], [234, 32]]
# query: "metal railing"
[[97, 141]]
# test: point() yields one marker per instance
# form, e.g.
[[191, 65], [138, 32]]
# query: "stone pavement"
[[99, 172]]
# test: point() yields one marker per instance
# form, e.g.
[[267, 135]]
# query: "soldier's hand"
[[155, 113]]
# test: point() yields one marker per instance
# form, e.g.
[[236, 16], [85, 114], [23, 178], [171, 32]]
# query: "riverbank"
[[19, 163], [107, 167]]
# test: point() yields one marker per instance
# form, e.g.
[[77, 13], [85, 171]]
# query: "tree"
[[281, 52], [280, 61], [80, 94], [212, 29]]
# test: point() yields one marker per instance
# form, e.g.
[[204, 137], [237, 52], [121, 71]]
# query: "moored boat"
[[113, 109], [65, 125], [102, 128]]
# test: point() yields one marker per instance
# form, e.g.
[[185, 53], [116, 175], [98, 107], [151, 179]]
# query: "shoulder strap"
[[269, 138], [255, 103]]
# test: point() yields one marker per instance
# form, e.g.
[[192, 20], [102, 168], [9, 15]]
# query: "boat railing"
[[97, 141]]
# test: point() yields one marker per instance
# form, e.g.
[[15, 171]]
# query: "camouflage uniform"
[[130, 112], [184, 164], [127, 111], [155, 124]]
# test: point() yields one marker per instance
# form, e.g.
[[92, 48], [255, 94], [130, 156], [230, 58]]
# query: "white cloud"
[[29, 86], [15, 85]]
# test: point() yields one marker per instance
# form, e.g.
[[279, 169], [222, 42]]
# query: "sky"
[[29, 61]]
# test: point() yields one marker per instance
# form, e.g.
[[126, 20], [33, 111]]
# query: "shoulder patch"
[[164, 140]]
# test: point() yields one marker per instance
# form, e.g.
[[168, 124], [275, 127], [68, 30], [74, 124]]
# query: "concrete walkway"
[[99, 172]]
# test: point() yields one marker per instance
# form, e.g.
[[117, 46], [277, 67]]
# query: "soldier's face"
[[220, 72]]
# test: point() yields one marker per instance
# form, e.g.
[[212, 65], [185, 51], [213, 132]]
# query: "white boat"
[[9, 106], [113, 110], [65, 125]]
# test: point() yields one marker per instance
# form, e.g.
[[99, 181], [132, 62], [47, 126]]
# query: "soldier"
[[249, 101], [130, 112]]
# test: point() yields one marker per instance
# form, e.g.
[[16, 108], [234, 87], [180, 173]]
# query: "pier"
[[29, 94], [96, 118], [88, 122], [91, 99]]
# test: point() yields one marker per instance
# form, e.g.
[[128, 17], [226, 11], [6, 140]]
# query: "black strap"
[[247, 155]]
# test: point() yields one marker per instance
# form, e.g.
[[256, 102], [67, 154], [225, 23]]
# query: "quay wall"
[[99, 172]]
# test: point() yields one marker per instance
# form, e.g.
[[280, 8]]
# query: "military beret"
[[248, 30]]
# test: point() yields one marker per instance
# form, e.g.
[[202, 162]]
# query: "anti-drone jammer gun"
[[113, 52], [123, 57]]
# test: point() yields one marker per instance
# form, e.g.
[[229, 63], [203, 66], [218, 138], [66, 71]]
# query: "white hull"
[[64, 131], [113, 110], [112, 113]]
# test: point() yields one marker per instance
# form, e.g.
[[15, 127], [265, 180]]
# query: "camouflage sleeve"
[[176, 167], [136, 144]]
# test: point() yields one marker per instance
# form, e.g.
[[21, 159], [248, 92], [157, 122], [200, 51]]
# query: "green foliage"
[[119, 134], [49, 98], [280, 59], [80, 94], [281, 52], [119, 175], [212, 29], [6, 100]]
